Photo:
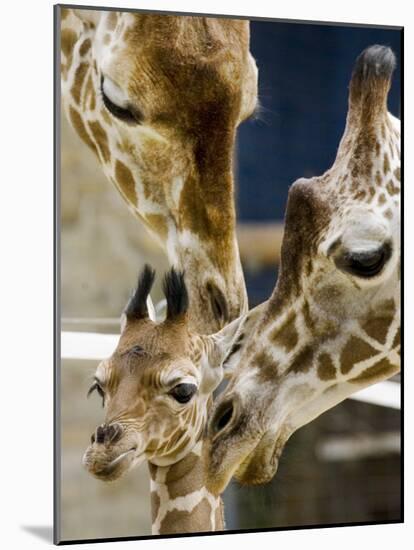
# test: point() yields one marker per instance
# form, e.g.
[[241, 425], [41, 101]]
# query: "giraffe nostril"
[[100, 434], [222, 417], [218, 303], [114, 433], [107, 433]]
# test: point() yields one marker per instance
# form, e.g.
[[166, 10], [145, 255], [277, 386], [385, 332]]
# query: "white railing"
[[96, 346]]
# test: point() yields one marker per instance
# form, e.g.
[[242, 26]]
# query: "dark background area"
[[304, 72]]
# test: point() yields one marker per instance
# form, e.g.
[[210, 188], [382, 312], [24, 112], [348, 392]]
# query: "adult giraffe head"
[[158, 98], [157, 385], [332, 324]]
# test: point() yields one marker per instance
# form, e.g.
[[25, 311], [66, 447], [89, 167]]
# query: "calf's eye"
[[183, 392]]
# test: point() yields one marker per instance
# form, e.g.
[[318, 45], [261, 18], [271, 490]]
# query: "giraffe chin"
[[260, 466], [107, 465]]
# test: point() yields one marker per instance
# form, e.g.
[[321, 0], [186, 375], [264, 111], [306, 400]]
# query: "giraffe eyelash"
[[97, 387], [126, 114]]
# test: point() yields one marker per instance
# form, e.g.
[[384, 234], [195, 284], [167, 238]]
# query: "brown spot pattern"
[[307, 316], [266, 365], [85, 47], [303, 360], [397, 174], [77, 123], [377, 328], [125, 179], [101, 139], [158, 224], [111, 21], [381, 199], [397, 338], [185, 476], [355, 351], [286, 336], [177, 521], [68, 39], [382, 369], [386, 166], [392, 188], [80, 74], [326, 368], [155, 505]]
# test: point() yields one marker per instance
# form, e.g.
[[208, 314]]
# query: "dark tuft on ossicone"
[[374, 62], [137, 305], [176, 293]]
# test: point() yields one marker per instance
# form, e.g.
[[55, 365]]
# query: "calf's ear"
[[230, 341]]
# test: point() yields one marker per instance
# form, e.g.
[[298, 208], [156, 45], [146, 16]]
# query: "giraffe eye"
[[183, 392], [122, 112], [366, 264]]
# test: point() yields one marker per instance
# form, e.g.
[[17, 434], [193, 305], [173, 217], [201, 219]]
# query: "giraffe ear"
[[228, 344], [88, 16], [232, 340]]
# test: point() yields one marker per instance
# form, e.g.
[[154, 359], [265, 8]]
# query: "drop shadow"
[[44, 532]]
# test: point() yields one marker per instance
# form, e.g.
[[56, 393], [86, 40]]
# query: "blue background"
[[304, 73]]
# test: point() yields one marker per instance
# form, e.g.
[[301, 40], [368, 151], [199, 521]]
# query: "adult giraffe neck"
[[176, 176], [180, 502]]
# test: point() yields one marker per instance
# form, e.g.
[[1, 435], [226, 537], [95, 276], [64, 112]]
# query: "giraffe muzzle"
[[108, 455]]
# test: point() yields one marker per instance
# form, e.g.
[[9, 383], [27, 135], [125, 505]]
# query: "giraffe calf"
[[156, 387]]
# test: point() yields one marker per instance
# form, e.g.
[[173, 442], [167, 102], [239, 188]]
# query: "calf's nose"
[[107, 433]]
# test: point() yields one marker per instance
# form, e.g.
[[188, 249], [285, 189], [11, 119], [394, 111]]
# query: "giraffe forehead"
[[356, 227], [201, 55]]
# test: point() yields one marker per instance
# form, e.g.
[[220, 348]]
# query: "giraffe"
[[158, 98], [332, 324], [157, 389]]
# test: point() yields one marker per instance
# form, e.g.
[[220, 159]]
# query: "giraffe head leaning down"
[[158, 98], [157, 384], [332, 324]]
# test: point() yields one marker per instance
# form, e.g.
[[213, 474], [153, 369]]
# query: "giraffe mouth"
[[114, 463], [98, 465], [261, 464]]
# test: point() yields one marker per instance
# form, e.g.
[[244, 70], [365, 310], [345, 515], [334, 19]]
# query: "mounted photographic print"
[[227, 274]]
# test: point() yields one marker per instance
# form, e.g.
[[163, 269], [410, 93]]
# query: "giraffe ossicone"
[[332, 324]]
